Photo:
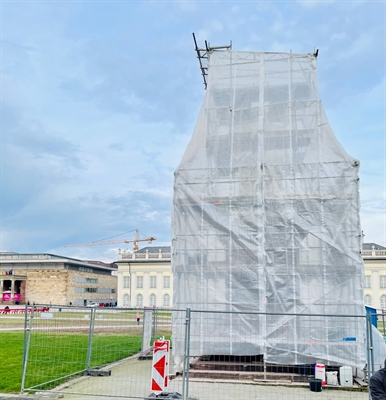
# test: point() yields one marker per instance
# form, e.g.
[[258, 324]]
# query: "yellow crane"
[[136, 240]]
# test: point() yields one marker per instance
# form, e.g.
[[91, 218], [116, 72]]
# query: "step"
[[247, 375]]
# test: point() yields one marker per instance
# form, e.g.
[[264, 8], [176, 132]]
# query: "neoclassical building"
[[374, 257], [148, 273], [145, 278]]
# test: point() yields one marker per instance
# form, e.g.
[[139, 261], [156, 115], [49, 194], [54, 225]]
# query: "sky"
[[99, 100]]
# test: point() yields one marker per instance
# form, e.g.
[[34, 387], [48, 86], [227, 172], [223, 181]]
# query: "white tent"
[[266, 218]]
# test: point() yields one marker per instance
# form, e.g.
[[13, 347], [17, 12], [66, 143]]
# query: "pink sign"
[[6, 296]]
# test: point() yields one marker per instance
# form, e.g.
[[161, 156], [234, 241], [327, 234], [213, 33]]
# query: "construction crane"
[[136, 240]]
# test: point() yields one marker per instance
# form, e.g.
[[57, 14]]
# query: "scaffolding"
[[266, 215]]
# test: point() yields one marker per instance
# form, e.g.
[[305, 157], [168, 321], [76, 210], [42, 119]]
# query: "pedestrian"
[[138, 316], [378, 384]]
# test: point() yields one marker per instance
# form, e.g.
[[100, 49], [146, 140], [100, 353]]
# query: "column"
[[375, 285], [12, 287]]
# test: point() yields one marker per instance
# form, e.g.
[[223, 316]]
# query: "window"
[[126, 282], [139, 282], [104, 290], [153, 300], [166, 282], [83, 269], [153, 282], [166, 300], [383, 281], [139, 300], [367, 282], [367, 300], [82, 279], [383, 302], [126, 300]]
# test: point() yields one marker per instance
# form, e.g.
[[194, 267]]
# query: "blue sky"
[[99, 100]]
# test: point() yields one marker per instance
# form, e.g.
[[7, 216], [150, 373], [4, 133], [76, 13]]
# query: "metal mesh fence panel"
[[214, 376], [376, 333], [79, 351], [91, 351]]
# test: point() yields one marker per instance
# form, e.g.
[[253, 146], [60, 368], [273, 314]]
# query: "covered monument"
[[266, 218]]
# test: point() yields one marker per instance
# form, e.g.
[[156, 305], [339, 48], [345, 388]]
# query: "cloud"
[[100, 101], [216, 25], [93, 216], [187, 5], [314, 3], [358, 46], [339, 36], [117, 147], [33, 161], [373, 224], [367, 104], [31, 141]]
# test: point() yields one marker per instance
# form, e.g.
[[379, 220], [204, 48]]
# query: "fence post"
[[90, 337], [27, 341], [370, 348], [154, 325], [185, 371]]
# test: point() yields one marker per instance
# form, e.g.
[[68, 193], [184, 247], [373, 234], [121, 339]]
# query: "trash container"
[[315, 385]]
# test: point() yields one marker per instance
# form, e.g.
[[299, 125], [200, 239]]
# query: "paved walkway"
[[131, 379]]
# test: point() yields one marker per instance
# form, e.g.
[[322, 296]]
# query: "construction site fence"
[[107, 352]]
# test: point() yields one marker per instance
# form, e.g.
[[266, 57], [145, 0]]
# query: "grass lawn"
[[11, 356], [55, 355], [65, 317]]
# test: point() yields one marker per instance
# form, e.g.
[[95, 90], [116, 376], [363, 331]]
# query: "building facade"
[[48, 278], [149, 266], [374, 257], [145, 278], [52, 279]]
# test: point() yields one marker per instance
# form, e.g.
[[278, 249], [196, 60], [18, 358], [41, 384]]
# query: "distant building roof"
[[369, 246], [18, 258], [154, 249], [103, 264], [166, 249]]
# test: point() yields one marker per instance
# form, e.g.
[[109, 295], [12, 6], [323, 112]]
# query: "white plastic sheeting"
[[266, 219]]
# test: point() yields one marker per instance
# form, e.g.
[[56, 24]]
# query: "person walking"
[[378, 384], [138, 318]]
